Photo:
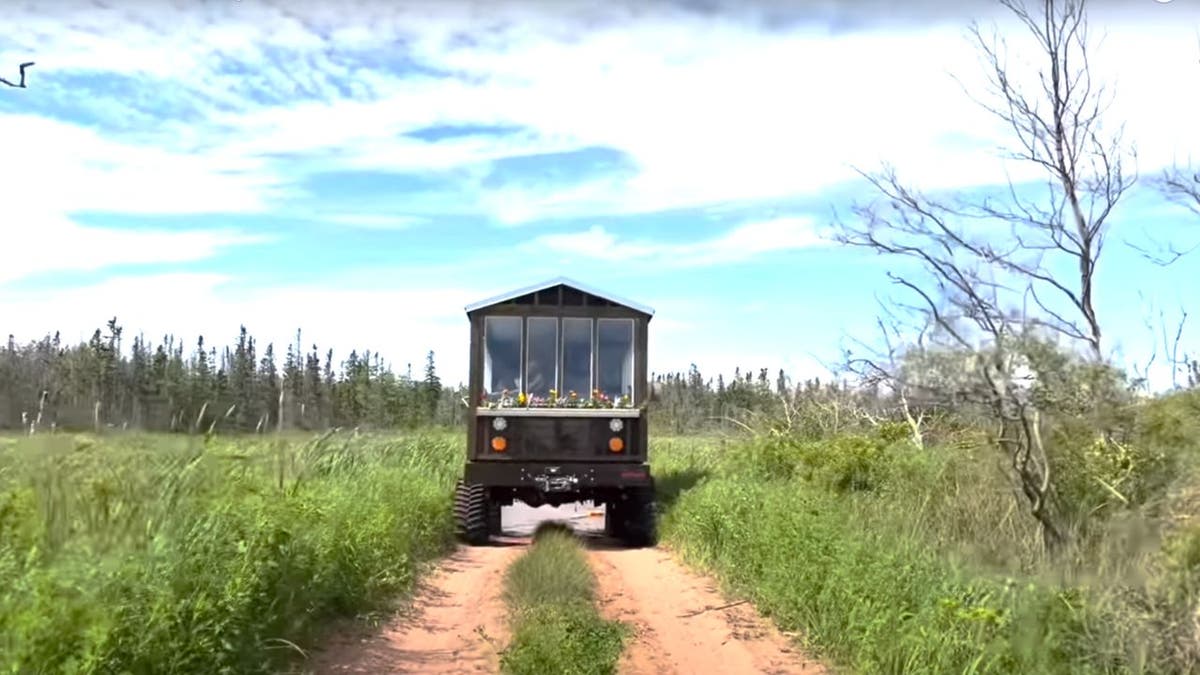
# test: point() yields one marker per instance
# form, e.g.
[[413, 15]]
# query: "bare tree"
[[1182, 186], [986, 294], [1058, 128]]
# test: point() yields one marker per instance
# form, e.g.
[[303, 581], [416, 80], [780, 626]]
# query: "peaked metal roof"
[[563, 281]]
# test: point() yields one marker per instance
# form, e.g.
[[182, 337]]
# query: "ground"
[[681, 622]]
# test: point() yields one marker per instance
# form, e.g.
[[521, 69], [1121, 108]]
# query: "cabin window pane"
[[614, 347], [577, 357], [501, 354], [541, 359]]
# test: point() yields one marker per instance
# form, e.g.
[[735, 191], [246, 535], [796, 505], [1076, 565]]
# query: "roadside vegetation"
[[889, 556], [185, 554], [550, 592]]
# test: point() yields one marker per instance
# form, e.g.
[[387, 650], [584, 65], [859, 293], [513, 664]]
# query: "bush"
[[846, 463]]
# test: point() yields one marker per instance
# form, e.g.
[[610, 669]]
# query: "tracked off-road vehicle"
[[558, 391]]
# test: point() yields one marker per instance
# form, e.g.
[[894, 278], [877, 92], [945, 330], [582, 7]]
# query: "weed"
[[550, 592]]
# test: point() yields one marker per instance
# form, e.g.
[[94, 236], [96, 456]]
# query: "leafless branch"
[[20, 83]]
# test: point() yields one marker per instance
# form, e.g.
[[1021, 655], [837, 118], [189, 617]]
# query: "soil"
[[681, 622], [456, 623]]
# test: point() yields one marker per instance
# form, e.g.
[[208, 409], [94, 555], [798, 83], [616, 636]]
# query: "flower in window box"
[[522, 399]]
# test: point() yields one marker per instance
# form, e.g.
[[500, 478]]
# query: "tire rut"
[[457, 623], [681, 622]]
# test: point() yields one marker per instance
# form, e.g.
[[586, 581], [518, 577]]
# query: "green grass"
[[890, 559], [550, 592], [169, 554]]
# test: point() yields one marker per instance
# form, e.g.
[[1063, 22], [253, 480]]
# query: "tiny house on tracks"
[[558, 392]]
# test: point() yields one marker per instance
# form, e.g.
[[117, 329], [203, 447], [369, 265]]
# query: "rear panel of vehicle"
[[559, 439]]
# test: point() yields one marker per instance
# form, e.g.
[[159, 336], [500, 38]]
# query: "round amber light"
[[616, 444], [499, 444]]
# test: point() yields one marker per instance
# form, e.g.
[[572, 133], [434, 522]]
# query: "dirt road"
[[681, 622]]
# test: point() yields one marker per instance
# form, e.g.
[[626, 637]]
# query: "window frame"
[[562, 349], [557, 361], [632, 323], [487, 359]]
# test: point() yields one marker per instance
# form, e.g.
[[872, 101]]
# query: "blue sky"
[[363, 171]]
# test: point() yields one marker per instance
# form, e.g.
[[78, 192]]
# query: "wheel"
[[639, 518], [471, 513]]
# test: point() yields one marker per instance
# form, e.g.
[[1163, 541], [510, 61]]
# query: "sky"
[[363, 170]]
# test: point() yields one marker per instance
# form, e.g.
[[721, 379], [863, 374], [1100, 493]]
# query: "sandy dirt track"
[[681, 622], [457, 621], [456, 624]]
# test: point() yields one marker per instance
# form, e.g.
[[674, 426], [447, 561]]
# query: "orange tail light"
[[616, 444], [499, 444]]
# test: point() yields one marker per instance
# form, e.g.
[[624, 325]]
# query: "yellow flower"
[[521, 398]]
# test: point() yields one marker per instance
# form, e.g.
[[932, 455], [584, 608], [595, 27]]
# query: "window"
[[614, 347], [501, 354], [541, 359], [577, 357]]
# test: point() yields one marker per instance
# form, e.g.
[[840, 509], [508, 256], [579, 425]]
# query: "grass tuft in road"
[[550, 592]]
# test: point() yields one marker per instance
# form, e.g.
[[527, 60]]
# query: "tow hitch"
[[553, 481]]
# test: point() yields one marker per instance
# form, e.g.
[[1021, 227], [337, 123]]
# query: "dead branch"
[[20, 83], [698, 612]]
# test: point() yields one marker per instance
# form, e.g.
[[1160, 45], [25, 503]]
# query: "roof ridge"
[[559, 281]]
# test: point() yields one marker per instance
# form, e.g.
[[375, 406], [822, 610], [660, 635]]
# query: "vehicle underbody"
[[626, 491]]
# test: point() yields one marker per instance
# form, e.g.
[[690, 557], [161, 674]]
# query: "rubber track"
[[471, 513], [640, 518]]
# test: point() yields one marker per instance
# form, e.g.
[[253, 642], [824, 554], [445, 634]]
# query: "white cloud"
[[37, 243], [737, 245], [368, 221], [709, 109], [60, 168]]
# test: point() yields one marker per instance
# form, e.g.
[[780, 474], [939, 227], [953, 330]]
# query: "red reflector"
[[633, 474]]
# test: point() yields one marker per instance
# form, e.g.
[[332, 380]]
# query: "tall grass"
[[167, 554], [894, 559], [550, 592]]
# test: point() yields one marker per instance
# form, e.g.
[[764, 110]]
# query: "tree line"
[[48, 384], [169, 386]]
